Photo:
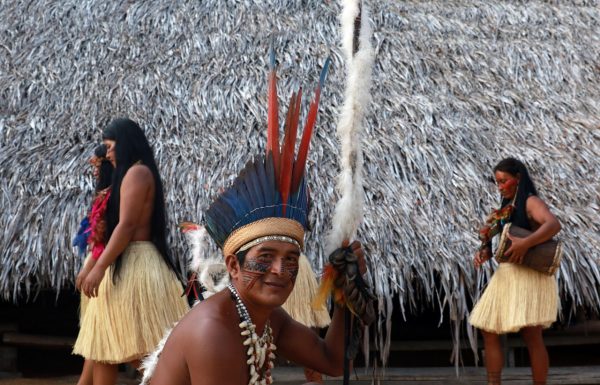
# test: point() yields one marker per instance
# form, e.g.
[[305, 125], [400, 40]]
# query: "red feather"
[[188, 226], [288, 148], [273, 121], [305, 142]]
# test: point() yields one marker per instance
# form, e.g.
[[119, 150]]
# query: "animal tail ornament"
[[341, 278], [356, 35]]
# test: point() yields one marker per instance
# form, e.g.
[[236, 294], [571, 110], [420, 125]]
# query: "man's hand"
[[357, 250], [482, 256], [92, 282], [517, 250]]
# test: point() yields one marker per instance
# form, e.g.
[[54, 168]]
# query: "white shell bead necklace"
[[260, 350]]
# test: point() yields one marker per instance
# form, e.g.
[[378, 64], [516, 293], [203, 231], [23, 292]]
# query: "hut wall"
[[457, 86]]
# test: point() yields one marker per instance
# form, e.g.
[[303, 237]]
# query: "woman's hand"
[[84, 272], [517, 249], [482, 256], [81, 277], [92, 282]]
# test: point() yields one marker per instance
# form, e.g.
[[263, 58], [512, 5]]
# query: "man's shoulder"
[[207, 337], [205, 321], [197, 345], [279, 315]]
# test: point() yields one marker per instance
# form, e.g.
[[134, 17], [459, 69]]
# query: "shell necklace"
[[259, 349]]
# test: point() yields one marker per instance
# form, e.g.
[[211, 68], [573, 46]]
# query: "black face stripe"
[[252, 265], [256, 266]]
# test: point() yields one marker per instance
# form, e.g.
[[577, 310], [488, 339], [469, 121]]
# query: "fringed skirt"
[[129, 317], [299, 303], [516, 297], [84, 299]]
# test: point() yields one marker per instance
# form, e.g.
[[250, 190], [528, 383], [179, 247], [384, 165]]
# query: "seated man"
[[259, 223], [213, 343]]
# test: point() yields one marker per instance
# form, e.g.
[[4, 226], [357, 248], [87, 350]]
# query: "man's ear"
[[233, 265]]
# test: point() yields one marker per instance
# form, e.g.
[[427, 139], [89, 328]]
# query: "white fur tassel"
[[349, 209], [207, 262]]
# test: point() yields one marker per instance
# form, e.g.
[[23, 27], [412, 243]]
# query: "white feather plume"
[[349, 209], [149, 362]]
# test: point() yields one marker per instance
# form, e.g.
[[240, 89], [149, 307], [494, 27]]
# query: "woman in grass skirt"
[[518, 298], [135, 294]]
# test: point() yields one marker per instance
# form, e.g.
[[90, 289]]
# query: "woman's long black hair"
[[131, 146], [525, 189], [106, 168]]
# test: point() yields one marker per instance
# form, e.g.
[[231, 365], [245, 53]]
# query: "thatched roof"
[[457, 86]]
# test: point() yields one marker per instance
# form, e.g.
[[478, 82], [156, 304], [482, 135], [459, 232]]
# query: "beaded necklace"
[[259, 349]]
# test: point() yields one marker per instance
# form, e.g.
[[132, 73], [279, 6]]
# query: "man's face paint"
[[265, 260]]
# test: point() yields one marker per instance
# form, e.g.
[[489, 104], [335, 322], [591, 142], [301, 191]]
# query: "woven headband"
[[268, 229]]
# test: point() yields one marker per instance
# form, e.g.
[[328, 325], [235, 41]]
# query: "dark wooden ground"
[[583, 375]]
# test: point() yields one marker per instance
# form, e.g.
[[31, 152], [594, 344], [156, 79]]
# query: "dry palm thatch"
[[457, 86]]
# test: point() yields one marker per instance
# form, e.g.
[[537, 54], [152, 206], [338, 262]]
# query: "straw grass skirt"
[[516, 297], [299, 303], [128, 319], [84, 299]]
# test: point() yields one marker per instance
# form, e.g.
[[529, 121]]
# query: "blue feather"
[[81, 238]]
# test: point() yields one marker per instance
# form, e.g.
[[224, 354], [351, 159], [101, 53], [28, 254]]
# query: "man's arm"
[[171, 367], [303, 346]]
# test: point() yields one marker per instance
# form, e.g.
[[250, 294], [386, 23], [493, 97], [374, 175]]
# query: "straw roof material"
[[457, 86]]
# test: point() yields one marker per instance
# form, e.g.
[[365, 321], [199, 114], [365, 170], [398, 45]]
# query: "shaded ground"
[[68, 380], [583, 375]]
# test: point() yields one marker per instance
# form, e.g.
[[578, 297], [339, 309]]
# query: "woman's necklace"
[[259, 349]]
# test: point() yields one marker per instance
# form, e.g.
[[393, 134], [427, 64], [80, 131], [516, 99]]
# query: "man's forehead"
[[276, 246]]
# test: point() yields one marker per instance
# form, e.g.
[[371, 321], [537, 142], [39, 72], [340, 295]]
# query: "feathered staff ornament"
[[348, 214], [340, 275]]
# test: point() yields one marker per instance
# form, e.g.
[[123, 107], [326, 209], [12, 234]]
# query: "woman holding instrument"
[[517, 298]]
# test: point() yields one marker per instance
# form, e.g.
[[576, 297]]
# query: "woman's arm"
[[84, 272], [538, 211], [134, 189]]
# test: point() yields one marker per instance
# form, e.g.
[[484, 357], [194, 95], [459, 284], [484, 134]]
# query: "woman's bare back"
[[141, 216]]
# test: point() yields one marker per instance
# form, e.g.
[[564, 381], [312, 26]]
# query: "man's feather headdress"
[[269, 198]]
